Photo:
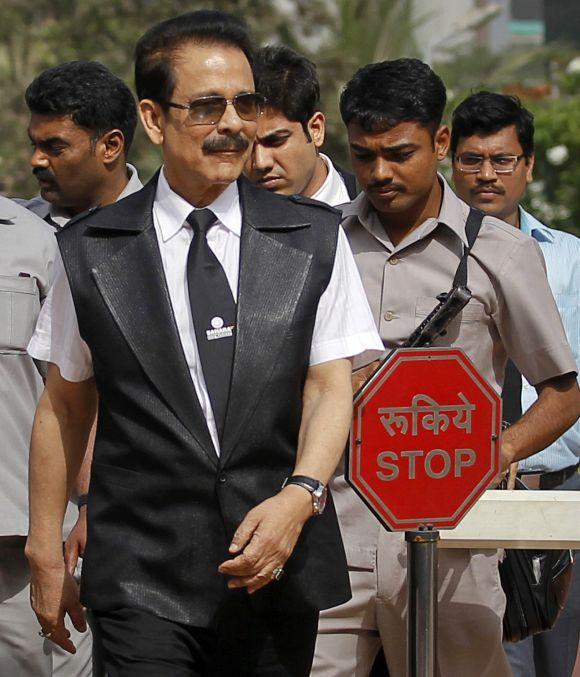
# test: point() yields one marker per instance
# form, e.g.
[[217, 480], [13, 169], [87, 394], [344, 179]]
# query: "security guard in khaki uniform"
[[407, 232], [27, 251]]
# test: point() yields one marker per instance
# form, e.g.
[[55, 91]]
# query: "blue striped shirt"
[[562, 255]]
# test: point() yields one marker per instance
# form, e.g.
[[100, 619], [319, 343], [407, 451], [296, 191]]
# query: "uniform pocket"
[[474, 311], [19, 306]]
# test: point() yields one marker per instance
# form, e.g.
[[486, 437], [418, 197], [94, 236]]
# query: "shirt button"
[[393, 260], [389, 315], [223, 478]]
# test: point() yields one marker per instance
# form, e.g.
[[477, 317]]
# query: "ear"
[[441, 142], [112, 146], [153, 120], [316, 127], [530, 161]]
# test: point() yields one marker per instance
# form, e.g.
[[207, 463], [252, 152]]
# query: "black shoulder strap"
[[350, 182], [472, 226]]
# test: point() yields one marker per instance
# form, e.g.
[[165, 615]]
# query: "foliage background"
[[338, 35]]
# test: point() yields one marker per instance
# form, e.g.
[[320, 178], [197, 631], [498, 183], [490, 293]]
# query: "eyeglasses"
[[469, 163], [208, 110]]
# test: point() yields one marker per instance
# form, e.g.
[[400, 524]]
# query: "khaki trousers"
[[471, 606], [22, 652]]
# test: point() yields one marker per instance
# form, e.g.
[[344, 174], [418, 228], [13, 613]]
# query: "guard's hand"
[[361, 376], [54, 593], [506, 452], [266, 538], [74, 546], [507, 466], [512, 474]]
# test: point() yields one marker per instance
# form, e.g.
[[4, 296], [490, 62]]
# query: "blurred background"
[[530, 48]]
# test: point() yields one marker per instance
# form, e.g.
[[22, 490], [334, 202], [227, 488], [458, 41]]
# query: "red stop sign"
[[425, 439]]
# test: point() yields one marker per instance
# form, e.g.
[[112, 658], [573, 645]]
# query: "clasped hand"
[[266, 538], [54, 593]]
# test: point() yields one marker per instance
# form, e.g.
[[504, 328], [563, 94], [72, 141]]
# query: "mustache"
[[225, 143], [379, 185], [481, 188], [44, 174]]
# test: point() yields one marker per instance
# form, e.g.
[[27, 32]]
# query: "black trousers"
[[243, 643]]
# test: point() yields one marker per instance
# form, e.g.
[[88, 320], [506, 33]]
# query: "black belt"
[[550, 480]]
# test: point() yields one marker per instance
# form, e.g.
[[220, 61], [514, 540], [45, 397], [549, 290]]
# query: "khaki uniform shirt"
[[27, 251], [511, 313]]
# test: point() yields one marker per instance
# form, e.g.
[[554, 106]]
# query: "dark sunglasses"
[[208, 110]]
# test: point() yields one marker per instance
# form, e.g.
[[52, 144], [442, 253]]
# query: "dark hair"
[[87, 91], [288, 81], [382, 95], [156, 49], [487, 113]]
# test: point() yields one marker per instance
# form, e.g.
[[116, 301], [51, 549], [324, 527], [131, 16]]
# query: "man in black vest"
[[286, 157], [215, 321]]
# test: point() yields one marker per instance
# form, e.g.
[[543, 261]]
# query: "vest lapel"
[[132, 285], [272, 277]]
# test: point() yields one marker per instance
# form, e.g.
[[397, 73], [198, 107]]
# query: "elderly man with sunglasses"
[[215, 321]]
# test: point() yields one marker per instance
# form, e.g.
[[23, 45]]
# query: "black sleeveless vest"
[[162, 506]]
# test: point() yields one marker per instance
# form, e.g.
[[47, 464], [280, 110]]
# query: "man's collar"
[[453, 213], [261, 209], [133, 185], [358, 207], [60, 218], [172, 210], [531, 226]]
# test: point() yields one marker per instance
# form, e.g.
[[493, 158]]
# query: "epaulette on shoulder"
[[302, 200], [80, 217]]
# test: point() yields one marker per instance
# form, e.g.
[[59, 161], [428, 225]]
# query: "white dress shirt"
[[344, 326], [333, 191]]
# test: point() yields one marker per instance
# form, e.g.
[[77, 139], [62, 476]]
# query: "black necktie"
[[512, 393], [213, 310]]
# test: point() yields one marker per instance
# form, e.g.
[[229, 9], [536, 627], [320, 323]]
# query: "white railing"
[[519, 519]]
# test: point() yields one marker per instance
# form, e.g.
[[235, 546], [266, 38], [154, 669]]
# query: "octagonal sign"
[[425, 439]]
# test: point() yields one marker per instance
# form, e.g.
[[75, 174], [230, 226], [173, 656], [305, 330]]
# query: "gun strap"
[[472, 226]]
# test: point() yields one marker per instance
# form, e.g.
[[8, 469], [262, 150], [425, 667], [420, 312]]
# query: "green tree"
[[362, 32], [39, 34]]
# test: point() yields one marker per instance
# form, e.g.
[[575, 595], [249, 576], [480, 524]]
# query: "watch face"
[[319, 499]]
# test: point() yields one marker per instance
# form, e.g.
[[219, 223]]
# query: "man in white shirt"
[[286, 157], [215, 321]]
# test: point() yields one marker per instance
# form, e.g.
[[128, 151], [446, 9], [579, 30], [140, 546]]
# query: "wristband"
[[82, 500]]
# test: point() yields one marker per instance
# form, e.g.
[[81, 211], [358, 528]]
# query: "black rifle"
[[452, 302], [436, 323]]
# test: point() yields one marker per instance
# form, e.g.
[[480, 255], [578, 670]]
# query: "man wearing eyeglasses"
[[216, 322], [492, 143], [407, 230]]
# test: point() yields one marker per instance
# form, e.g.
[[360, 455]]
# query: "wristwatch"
[[317, 490]]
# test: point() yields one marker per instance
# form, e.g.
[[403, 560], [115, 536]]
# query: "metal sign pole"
[[422, 602]]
